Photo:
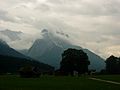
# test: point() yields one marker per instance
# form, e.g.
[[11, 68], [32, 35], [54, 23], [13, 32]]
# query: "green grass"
[[53, 83], [115, 78]]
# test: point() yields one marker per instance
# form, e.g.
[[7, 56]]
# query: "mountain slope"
[[96, 61], [9, 64], [23, 51], [11, 60], [50, 47], [8, 51]]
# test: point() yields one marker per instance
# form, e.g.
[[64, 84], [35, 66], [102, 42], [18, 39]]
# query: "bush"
[[29, 72]]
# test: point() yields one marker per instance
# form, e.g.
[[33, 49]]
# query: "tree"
[[74, 60], [113, 65]]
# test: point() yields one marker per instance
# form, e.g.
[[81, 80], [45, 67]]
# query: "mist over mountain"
[[89, 23], [12, 35], [17, 39], [49, 49]]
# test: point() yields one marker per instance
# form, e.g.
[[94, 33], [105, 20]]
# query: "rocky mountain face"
[[49, 49]]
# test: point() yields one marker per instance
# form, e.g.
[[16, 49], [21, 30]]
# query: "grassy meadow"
[[115, 78], [13, 82]]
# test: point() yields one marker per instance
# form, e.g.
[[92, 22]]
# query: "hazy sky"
[[93, 24]]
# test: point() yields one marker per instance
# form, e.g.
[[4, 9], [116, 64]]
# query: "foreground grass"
[[53, 83], [115, 78]]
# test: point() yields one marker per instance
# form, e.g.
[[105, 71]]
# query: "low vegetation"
[[10, 64], [115, 78], [9, 82]]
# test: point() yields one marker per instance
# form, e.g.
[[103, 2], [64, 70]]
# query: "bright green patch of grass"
[[53, 83]]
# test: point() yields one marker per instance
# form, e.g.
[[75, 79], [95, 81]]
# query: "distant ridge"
[[8, 51], [11, 60]]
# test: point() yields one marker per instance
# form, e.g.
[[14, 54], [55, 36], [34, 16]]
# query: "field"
[[11, 82], [115, 78]]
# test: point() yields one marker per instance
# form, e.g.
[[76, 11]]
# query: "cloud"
[[112, 50], [25, 42], [93, 24], [86, 7], [5, 17], [5, 38]]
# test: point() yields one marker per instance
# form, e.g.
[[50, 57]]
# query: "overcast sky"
[[92, 24]]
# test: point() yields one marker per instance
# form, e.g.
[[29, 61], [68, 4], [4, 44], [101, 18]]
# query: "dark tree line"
[[113, 65], [29, 71], [72, 60], [11, 65]]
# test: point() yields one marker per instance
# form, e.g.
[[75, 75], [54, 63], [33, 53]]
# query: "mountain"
[[8, 51], [12, 35], [49, 49], [23, 51], [96, 61], [17, 39], [9, 64], [11, 60]]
